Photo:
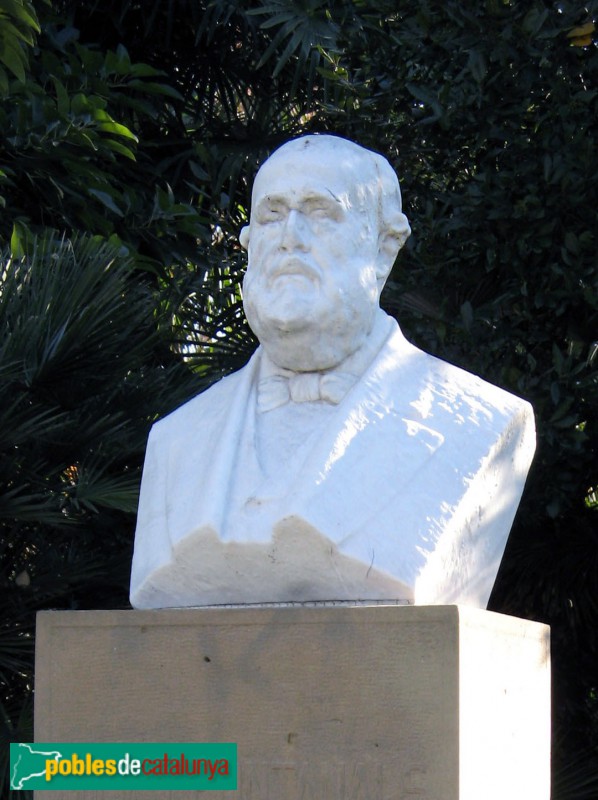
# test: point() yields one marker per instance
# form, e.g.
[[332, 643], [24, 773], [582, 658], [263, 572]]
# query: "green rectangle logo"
[[124, 766]]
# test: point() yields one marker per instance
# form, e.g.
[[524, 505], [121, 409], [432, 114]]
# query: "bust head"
[[326, 226]]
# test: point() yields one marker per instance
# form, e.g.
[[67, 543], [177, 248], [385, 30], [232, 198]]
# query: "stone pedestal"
[[325, 703]]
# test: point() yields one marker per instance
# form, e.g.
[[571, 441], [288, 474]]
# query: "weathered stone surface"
[[343, 703]]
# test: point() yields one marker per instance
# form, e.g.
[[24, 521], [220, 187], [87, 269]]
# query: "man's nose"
[[295, 233]]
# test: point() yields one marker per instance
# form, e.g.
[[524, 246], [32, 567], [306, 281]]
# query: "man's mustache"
[[294, 266]]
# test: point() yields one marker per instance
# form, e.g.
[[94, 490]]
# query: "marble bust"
[[341, 463]]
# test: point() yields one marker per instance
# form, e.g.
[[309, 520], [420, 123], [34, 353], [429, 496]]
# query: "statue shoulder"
[[450, 384], [207, 409]]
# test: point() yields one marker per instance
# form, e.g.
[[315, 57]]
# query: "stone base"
[[363, 703]]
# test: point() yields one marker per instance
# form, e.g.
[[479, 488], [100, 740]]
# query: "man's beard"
[[302, 326], [290, 304]]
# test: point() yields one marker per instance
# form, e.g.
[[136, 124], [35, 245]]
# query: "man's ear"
[[390, 241], [244, 237], [388, 248]]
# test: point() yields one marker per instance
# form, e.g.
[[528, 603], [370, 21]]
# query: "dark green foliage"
[[18, 29], [83, 372], [82, 150], [143, 124]]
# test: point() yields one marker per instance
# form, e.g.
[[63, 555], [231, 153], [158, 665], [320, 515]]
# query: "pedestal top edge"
[[287, 614]]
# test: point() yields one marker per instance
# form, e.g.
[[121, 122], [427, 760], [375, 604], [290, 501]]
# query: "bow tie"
[[303, 387]]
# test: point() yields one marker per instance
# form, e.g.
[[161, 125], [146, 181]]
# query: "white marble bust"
[[341, 463]]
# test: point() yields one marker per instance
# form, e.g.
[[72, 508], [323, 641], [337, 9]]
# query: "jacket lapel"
[[378, 440]]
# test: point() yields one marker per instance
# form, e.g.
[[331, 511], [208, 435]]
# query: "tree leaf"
[[106, 200]]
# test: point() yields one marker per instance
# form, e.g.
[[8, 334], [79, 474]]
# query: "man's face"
[[311, 288]]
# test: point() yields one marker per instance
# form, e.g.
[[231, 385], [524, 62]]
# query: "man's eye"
[[272, 214], [323, 212]]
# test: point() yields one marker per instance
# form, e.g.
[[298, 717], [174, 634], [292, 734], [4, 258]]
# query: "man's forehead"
[[301, 191], [307, 174]]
